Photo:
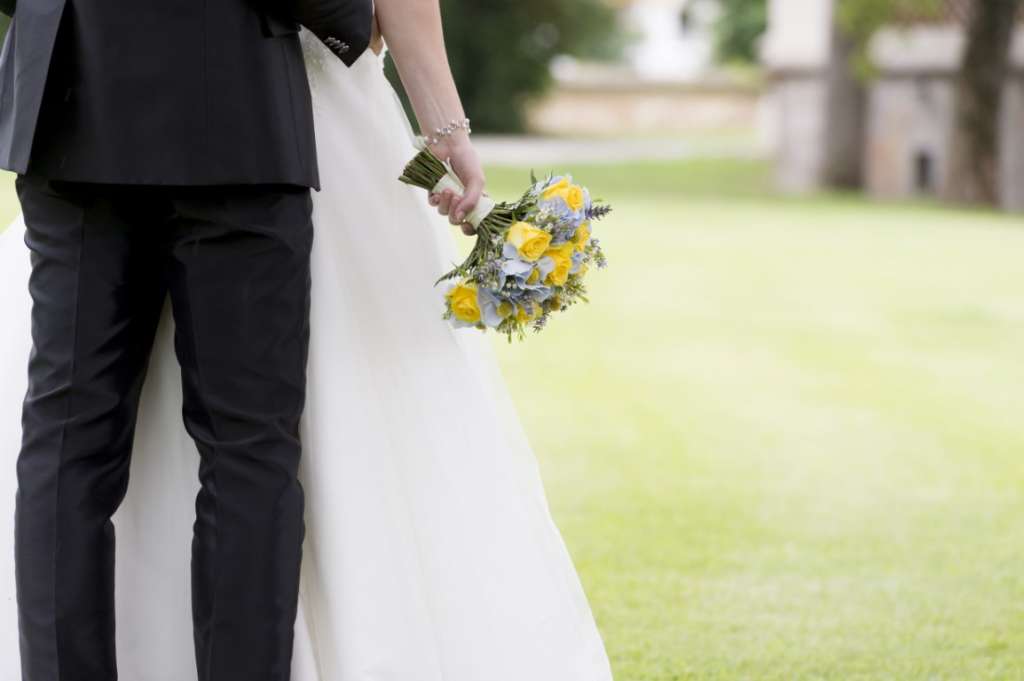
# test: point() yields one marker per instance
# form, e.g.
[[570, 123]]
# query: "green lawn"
[[785, 440]]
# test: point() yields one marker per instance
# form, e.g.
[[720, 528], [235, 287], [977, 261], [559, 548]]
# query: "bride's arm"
[[412, 30]]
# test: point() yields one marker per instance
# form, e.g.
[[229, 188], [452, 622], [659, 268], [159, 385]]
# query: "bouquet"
[[530, 258]]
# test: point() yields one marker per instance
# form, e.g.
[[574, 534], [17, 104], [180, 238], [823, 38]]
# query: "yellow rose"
[[571, 193], [463, 301], [557, 189], [574, 197], [582, 236], [534, 277], [562, 256], [529, 241]]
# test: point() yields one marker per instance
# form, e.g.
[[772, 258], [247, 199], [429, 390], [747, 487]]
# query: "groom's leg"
[[97, 294], [240, 285]]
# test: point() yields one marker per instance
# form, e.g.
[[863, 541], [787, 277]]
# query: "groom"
[[164, 148]]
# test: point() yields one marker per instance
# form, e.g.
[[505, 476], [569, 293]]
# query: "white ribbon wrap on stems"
[[483, 207], [451, 181]]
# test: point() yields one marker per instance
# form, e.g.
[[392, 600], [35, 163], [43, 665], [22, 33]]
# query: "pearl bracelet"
[[449, 130]]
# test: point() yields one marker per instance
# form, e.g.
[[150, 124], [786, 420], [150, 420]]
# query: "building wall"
[[584, 109], [910, 120], [796, 120], [798, 34], [911, 114], [795, 52]]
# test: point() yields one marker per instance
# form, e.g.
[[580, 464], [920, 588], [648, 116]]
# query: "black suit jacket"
[[167, 92]]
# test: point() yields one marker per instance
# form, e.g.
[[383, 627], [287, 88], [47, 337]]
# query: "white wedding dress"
[[430, 553]]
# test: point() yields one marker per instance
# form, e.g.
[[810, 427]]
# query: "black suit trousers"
[[235, 264]]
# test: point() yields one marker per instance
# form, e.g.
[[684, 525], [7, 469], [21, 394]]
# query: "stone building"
[[795, 52], [910, 103]]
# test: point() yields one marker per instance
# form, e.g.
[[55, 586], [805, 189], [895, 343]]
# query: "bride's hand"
[[416, 40], [459, 150]]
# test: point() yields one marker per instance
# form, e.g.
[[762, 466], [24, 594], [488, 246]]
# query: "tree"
[[861, 19], [974, 149], [846, 108], [739, 28], [501, 50]]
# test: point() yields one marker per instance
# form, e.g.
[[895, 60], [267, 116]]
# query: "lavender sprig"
[[598, 211]]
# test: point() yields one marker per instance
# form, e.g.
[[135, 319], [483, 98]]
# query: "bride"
[[430, 553]]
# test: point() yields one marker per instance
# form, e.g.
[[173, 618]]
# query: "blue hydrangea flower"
[[577, 261], [545, 265], [489, 303]]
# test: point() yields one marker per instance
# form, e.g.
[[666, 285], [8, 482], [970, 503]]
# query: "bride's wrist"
[[446, 147], [447, 130]]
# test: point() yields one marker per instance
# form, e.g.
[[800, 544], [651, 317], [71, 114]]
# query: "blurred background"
[[785, 441], [795, 445]]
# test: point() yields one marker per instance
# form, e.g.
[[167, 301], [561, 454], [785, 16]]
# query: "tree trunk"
[[846, 110], [974, 153]]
